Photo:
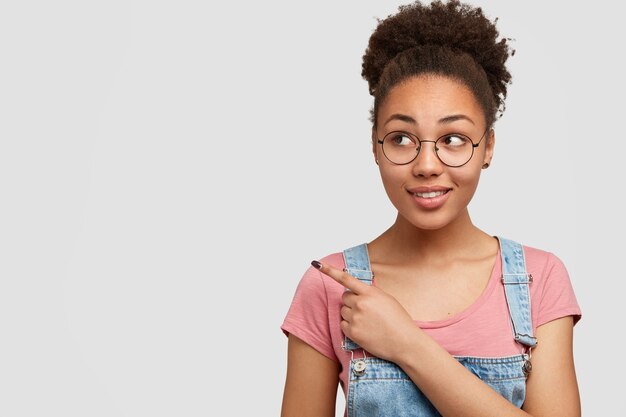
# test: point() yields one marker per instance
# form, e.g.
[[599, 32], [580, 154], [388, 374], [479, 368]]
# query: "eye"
[[454, 141], [401, 139]]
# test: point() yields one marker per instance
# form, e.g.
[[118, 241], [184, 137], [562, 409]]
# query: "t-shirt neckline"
[[480, 301]]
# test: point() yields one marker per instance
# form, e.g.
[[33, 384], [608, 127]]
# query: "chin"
[[430, 226], [429, 222]]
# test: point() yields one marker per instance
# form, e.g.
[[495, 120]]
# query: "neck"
[[404, 241]]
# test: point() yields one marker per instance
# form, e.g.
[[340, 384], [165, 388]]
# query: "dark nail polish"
[[316, 264]]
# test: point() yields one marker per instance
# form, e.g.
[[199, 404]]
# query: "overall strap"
[[516, 282], [358, 265]]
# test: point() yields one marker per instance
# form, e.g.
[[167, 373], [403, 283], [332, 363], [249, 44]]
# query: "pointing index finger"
[[342, 277]]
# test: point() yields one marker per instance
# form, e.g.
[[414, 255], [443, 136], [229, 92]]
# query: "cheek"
[[465, 176], [467, 182], [394, 178], [394, 183]]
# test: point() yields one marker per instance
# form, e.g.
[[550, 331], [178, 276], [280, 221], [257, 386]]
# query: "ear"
[[490, 143], [375, 145]]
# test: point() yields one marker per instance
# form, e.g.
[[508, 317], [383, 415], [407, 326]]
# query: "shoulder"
[[552, 293], [542, 263], [313, 281], [314, 313], [334, 259], [539, 262]]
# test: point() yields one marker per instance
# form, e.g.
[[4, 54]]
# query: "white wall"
[[168, 169]]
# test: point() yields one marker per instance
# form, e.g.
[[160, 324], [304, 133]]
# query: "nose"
[[427, 162]]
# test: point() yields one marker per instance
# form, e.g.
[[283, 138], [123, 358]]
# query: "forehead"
[[428, 98]]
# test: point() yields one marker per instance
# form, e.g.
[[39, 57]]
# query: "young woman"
[[434, 316]]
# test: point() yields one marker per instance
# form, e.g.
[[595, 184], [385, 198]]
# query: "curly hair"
[[451, 39]]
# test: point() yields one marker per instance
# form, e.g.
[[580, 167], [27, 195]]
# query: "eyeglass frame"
[[419, 147]]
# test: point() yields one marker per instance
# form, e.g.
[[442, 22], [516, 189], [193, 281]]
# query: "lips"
[[431, 194], [430, 197]]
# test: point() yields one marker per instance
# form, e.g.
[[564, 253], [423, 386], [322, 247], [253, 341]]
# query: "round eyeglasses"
[[452, 149]]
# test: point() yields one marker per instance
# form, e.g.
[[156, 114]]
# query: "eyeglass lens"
[[453, 150]]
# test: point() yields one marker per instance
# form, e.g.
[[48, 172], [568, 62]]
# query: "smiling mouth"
[[431, 194]]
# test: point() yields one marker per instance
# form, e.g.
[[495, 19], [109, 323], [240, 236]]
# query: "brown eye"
[[402, 139], [453, 141]]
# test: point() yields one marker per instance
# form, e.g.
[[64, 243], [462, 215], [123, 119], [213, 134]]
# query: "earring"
[[486, 165], [376, 161]]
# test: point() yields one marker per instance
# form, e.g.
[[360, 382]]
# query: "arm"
[[312, 379], [377, 322], [551, 386]]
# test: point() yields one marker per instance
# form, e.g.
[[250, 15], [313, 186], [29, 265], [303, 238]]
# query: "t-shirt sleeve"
[[307, 318], [557, 296]]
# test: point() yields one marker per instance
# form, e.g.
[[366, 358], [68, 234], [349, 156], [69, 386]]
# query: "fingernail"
[[316, 264]]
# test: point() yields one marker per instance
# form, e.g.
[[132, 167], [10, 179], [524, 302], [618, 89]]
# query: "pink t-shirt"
[[483, 329]]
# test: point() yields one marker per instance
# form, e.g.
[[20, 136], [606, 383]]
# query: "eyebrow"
[[402, 118], [454, 118], [444, 120]]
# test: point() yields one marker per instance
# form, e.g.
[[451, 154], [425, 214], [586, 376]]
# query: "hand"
[[372, 318]]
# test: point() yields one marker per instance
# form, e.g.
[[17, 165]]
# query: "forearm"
[[452, 389]]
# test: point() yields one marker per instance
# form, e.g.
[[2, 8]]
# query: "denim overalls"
[[380, 388]]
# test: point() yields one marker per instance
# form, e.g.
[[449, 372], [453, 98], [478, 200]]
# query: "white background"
[[168, 169]]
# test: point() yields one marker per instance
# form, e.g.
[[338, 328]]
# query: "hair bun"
[[450, 25]]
